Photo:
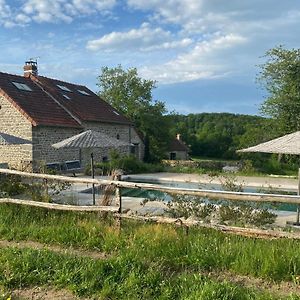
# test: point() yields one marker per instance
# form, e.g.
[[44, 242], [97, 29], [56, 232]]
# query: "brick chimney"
[[30, 67]]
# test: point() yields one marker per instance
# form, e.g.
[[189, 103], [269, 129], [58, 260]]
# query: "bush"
[[128, 164], [11, 185]]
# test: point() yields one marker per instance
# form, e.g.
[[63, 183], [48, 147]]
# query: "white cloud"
[[175, 11], [207, 16], [4, 9], [199, 63], [5, 14], [46, 10], [51, 11], [144, 38], [89, 6]]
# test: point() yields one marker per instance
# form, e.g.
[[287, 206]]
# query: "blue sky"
[[202, 53]]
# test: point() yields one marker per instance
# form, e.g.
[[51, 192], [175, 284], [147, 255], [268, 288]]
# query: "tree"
[[132, 96], [280, 76]]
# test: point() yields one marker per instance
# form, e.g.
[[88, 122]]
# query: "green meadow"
[[141, 260]]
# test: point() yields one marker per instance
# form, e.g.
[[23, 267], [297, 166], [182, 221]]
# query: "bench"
[[70, 166], [3, 165], [55, 166]]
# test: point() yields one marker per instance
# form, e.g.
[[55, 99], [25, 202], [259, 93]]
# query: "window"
[[173, 156], [83, 92], [67, 97], [64, 88], [118, 136], [22, 86], [116, 113], [134, 149]]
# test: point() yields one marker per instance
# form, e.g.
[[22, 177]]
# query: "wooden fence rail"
[[56, 206], [211, 194]]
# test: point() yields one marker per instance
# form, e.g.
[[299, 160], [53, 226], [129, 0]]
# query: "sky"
[[203, 54]]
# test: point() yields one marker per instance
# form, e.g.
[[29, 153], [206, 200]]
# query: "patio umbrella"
[[8, 139], [91, 139], [287, 144]]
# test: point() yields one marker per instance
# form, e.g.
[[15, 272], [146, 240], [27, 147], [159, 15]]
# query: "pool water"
[[162, 196]]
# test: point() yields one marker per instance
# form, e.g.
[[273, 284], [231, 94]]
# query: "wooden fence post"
[[118, 194], [46, 188], [119, 201]]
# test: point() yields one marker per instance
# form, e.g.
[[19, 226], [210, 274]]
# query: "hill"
[[219, 135]]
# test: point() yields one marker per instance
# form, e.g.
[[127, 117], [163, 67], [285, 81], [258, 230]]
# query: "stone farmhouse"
[[178, 150], [46, 111]]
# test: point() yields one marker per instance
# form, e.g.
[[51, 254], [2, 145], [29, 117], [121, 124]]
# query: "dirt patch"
[[58, 249], [43, 293], [284, 288]]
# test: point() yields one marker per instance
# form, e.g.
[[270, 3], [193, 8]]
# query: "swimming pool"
[[162, 196]]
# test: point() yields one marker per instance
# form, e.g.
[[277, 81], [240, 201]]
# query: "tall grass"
[[117, 278], [164, 246]]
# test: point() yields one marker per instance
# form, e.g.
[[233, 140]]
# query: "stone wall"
[[140, 146], [44, 136], [14, 123], [180, 155], [123, 132], [41, 151]]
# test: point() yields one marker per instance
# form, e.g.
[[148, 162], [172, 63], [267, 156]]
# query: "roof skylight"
[[67, 97], [64, 88], [22, 86], [83, 92]]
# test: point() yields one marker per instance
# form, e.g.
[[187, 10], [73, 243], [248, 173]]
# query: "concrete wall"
[[13, 122]]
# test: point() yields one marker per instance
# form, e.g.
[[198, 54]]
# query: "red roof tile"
[[47, 105], [85, 107], [36, 105]]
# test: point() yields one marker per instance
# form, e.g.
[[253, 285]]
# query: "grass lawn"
[[140, 261], [200, 158]]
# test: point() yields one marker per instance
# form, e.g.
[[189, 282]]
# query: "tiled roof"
[[178, 145], [35, 105], [47, 105], [86, 107]]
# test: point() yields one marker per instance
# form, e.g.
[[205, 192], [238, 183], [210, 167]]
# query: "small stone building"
[[178, 150], [46, 111]]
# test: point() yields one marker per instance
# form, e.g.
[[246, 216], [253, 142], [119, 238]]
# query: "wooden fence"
[[211, 194]]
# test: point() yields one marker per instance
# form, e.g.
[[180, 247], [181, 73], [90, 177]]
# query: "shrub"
[[128, 164], [11, 185]]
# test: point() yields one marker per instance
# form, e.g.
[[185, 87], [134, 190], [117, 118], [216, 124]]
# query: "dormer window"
[[22, 86], [67, 97], [83, 92], [64, 88]]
